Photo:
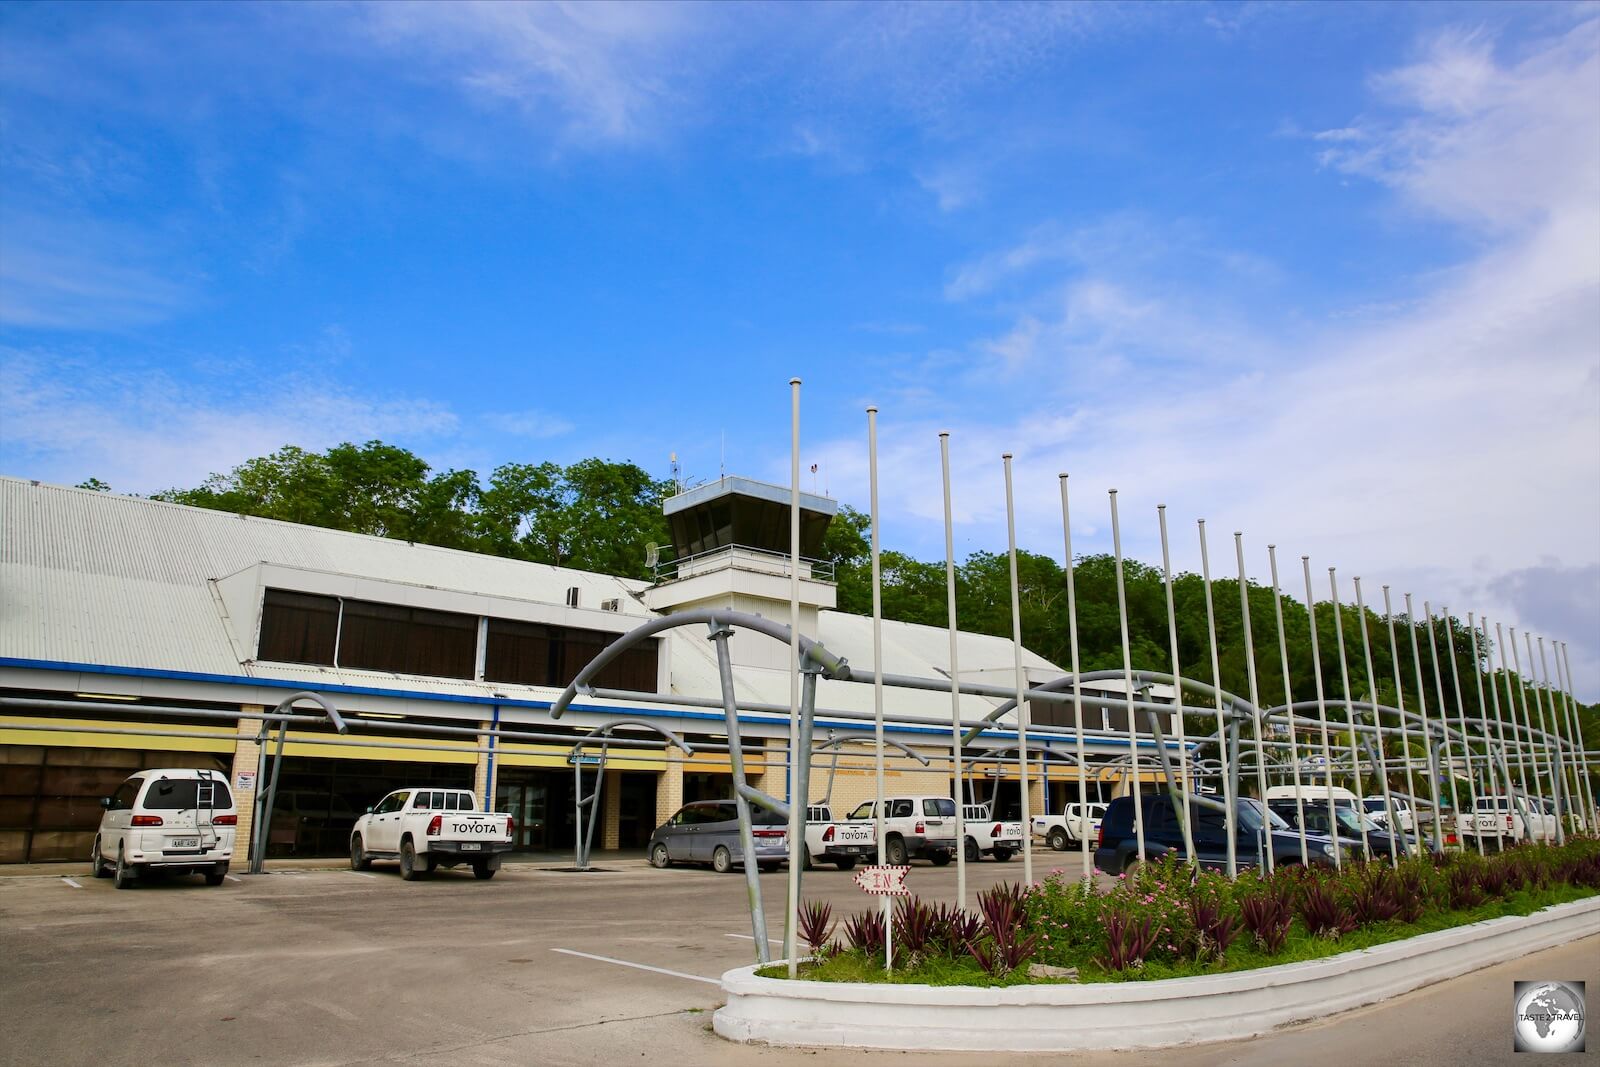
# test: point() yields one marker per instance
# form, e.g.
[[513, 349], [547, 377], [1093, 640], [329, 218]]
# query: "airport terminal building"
[[136, 633]]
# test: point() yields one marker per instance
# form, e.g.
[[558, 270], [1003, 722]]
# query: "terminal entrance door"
[[541, 802]]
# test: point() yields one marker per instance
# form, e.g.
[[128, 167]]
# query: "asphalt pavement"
[[538, 966]]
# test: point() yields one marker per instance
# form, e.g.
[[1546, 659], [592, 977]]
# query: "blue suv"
[[1256, 830]]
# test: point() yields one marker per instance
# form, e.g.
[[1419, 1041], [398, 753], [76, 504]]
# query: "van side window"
[[900, 809], [939, 806], [122, 799], [423, 802]]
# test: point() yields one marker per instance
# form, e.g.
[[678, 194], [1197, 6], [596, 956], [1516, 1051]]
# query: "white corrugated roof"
[[110, 580]]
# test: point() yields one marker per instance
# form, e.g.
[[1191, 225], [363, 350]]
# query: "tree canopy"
[[599, 514]]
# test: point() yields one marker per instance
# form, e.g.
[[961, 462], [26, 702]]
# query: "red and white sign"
[[883, 881]]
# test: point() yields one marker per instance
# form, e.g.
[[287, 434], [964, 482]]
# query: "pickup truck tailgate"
[[471, 826]]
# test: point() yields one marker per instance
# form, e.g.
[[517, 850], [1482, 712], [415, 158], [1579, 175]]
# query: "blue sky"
[[1327, 274]]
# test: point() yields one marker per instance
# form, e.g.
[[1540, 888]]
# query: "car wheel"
[[894, 852], [1131, 866], [97, 866], [660, 858], [125, 876], [971, 851], [943, 857], [482, 871], [722, 860], [408, 861], [1001, 855], [805, 859], [359, 860], [845, 863], [1058, 839], [217, 874]]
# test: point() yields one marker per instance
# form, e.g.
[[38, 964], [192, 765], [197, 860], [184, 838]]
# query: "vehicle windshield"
[[1251, 814], [863, 812]]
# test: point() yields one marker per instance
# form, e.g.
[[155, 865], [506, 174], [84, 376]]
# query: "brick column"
[[669, 787], [246, 754], [611, 815], [480, 774]]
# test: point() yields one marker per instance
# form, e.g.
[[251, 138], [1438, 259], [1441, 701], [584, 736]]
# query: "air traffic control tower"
[[730, 543]]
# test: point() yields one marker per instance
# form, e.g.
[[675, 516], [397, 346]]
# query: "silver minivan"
[[707, 831], [173, 820]]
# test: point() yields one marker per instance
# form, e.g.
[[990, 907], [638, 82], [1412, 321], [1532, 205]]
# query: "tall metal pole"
[[1255, 693], [1564, 670], [1127, 679], [1350, 720], [1444, 713], [1377, 722], [1531, 749], [752, 884], [1288, 701], [1552, 751], [1461, 707], [1400, 705], [955, 687], [799, 792], [1077, 691], [1023, 711], [1427, 730], [1483, 725], [1232, 814], [1515, 750], [1177, 696], [1322, 702], [1568, 786], [885, 906]]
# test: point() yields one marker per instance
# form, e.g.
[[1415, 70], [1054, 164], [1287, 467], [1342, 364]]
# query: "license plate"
[[470, 846], [184, 842]]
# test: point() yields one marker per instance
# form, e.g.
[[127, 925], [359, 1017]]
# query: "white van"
[[1313, 791], [174, 819]]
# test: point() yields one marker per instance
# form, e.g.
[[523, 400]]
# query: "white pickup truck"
[[1515, 819], [429, 828], [989, 836], [916, 826], [842, 844], [1077, 822]]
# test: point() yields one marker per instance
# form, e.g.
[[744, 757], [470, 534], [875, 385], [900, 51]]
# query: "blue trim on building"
[[460, 698]]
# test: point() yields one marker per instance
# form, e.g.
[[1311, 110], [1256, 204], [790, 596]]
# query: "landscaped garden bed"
[[1167, 921]]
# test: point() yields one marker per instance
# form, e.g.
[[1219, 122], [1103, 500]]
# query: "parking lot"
[[331, 966]]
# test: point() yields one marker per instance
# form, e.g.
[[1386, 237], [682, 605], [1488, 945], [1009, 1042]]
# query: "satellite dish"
[[652, 554]]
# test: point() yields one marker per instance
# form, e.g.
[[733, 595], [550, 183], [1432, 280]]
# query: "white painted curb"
[[1128, 1015]]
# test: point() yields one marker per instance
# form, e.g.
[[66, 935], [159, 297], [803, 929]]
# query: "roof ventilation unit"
[[614, 604]]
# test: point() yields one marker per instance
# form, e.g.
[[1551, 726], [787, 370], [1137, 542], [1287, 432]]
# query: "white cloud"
[[142, 431], [64, 274], [1449, 444], [529, 423]]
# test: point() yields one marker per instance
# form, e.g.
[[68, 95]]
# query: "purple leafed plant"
[[816, 925], [956, 928], [1375, 897], [1128, 941], [1267, 915], [1324, 914], [864, 931], [1462, 883], [915, 925], [1214, 930], [1495, 880]]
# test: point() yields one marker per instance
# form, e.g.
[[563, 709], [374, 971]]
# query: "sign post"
[[884, 881]]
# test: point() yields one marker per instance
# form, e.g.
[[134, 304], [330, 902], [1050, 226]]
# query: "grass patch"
[[1065, 924]]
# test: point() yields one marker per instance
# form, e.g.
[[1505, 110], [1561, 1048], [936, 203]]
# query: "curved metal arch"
[[583, 844], [812, 650], [837, 743], [267, 793]]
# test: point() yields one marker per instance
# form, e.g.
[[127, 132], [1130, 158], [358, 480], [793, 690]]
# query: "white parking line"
[[751, 937], [70, 882], [637, 966], [363, 874], [230, 878]]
